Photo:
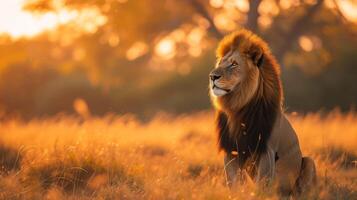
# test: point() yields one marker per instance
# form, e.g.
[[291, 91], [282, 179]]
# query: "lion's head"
[[245, 68], [231, 70]]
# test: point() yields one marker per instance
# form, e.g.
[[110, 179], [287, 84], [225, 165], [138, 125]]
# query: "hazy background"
[[146, 56]]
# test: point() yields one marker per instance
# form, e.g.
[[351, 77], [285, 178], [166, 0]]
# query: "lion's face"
[[231, 70]]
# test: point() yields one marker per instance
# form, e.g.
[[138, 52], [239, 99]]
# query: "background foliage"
[[149, 56]]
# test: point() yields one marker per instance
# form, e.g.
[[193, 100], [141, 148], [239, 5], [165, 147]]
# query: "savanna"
[[119, 157], [110, 99]]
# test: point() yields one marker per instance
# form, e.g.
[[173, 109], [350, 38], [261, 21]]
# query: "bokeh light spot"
[[242, 5], [137, 50], [306, 43], [216, 3], [165, 48]]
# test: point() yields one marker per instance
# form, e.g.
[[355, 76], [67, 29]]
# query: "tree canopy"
[[146, 56]]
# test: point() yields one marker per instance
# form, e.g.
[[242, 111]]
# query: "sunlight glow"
[[19, 23], [166, 48], [178, 35], [81, 107], [79, 54], [137, 50], [242, 5], [265, 21], [185, 40], [195, 36], [216, 3], [194, 40], [113, 40], [349, 10], [268, 7], [306, 43], [224, 22]]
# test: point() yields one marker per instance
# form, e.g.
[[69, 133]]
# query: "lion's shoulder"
[[283, 136]]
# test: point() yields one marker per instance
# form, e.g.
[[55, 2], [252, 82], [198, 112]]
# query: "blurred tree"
[[145, 56]]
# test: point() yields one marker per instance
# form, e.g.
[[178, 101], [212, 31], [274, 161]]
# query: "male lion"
[[253, 131]]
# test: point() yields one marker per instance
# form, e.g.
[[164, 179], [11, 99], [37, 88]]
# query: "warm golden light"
[[81, 107], [79, 54], [195, 36], [165, 49], [216, 3], [194, 40], [17, 23], [306, 43], [113, 40], [265, 21], [285, 4], [224, 22], [242, 5], [349, 9], [178, 35], [137, 50], [96, 152], [268, 7]]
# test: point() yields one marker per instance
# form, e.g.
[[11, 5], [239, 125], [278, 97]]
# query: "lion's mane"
[[245, 127]]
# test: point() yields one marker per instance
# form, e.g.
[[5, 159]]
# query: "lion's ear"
[[257, 56]]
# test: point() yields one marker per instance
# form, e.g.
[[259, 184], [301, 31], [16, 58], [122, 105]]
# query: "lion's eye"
[[234, 64]]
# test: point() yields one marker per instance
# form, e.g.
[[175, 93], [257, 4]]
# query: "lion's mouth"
[[217, 91], [215, 86]]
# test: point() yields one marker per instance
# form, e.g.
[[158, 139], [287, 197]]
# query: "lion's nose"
[[214, 77]]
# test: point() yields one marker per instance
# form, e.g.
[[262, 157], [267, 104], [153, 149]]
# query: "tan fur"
[[250, 116], [245, 91]]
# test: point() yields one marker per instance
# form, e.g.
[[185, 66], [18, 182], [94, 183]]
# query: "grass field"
[[118, 157]]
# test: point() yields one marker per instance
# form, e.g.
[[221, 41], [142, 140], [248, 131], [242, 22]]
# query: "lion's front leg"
[[266, 167], [307, 177], [231, 169]]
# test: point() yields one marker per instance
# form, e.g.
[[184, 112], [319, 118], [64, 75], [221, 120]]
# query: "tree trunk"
[[253, 15]]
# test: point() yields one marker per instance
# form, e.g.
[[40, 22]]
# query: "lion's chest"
[[245, 141]]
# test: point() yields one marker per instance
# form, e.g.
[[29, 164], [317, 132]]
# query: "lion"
[[253, 131]]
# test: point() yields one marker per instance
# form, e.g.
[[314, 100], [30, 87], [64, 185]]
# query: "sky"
[[16, 22]]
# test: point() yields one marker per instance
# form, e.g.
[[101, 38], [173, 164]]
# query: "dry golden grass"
[[166, 158]]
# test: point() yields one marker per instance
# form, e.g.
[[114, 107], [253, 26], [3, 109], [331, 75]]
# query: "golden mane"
[[247, 43], [244, 123]]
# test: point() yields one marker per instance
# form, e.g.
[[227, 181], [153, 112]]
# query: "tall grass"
[[118, 157]]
